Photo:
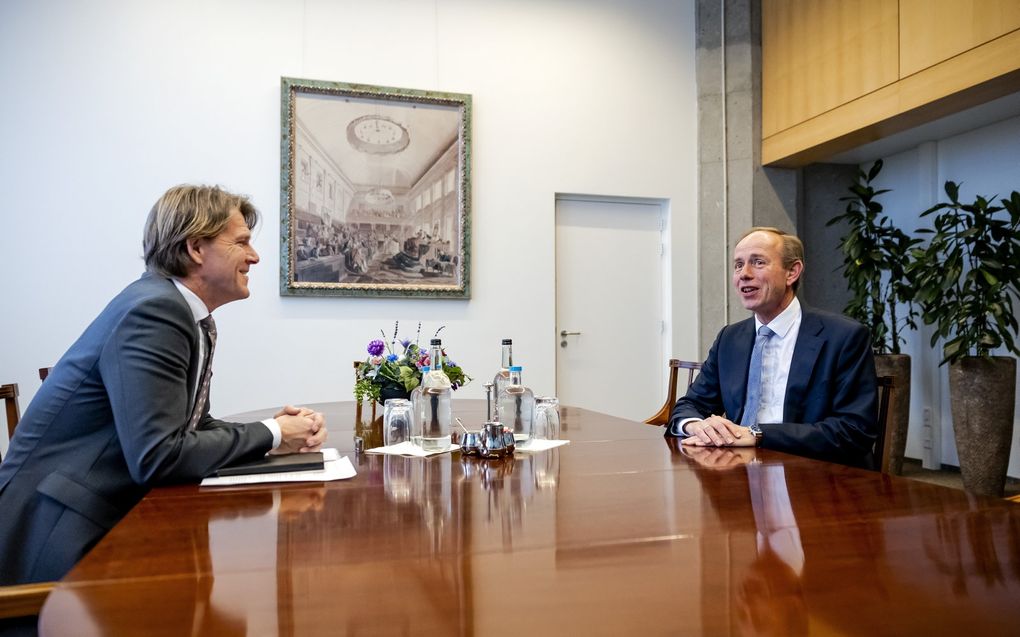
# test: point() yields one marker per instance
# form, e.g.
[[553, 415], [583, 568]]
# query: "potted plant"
[[874, 266], [967, 277]]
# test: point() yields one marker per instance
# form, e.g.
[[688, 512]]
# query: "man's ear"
[[794, 273], [195, 249]]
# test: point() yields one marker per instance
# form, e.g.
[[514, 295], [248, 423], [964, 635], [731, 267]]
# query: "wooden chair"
[[9, 393], [357, 408], [662, 416], [886, 385], [23, 600]]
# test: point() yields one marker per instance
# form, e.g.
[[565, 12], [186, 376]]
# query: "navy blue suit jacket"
[[109, 422], [830, 411]]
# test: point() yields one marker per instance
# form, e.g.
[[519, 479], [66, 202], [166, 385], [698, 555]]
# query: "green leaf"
[[875, 169], [989, 277]]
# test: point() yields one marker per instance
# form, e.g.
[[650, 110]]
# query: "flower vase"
[[392, 391]]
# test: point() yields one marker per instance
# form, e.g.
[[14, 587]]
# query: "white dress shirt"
[[777, 357], [199, 311]]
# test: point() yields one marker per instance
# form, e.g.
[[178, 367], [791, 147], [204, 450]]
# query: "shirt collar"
[[198, 308], [782, 324]]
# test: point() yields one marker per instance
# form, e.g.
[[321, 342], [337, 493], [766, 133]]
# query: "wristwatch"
[[757, 433]]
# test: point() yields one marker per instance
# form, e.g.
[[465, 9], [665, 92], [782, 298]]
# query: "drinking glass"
[[546, 424], [398, 421]]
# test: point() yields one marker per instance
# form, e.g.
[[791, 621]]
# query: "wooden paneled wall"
[[840, 73], [932, 31], [819, 54]]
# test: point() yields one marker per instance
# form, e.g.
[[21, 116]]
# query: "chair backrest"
[[357, 408], [23, 600], [9, 394], [886, 386], [44, 372], [661, 417]]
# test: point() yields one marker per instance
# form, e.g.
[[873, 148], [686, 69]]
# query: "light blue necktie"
[[753, 402]]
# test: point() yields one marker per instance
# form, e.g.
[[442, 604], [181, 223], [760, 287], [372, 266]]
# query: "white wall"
[[106, 104], [985, 161]]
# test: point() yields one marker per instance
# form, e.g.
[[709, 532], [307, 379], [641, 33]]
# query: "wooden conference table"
[[617, 533]]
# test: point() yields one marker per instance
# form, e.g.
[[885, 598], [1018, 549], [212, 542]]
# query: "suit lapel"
[[194, 369], [739, 358], [805, 355]]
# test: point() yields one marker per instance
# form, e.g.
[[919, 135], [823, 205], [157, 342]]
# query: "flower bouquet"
[[387, 374]]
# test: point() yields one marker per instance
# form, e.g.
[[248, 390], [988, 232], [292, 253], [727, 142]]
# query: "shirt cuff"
[[676, 428], [274, 428]]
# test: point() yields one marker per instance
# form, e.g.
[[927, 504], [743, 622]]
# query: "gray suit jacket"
[[108, 423]]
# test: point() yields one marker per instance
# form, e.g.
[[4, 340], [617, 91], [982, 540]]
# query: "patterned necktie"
[[753, 402], [202, 395]]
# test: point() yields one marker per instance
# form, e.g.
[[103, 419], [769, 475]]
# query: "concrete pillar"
[[735, 191]]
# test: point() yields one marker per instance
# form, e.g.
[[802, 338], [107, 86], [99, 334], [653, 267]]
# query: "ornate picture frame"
[[375, 191]]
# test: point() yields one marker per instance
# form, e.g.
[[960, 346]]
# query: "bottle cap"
[[516, 368], [508, 341], [436, 341]]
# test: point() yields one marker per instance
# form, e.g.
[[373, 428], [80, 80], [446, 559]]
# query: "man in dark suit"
[[126, 407], [804, 383]]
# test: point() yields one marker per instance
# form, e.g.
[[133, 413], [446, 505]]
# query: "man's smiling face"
[[765, 286]]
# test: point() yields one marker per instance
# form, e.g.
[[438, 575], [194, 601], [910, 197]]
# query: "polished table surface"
[[620, 532]]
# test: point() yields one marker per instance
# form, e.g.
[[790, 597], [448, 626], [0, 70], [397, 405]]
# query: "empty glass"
[[398, 421], [546, 424]]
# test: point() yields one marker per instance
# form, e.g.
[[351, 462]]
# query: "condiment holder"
[[493, 441]]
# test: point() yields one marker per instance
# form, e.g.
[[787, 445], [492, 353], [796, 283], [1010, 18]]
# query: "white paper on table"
[[409, 449], [334, 468], [536, 446]]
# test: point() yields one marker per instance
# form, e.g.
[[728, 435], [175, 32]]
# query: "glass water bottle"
[[418, 407], [437, 410], [516, 405], [502, 378]]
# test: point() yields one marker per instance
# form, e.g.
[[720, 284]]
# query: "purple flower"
[[376, 347], [391, 358], [405, 343]]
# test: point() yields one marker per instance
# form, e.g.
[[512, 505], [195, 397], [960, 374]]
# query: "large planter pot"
[[898, 418], [982, 391]]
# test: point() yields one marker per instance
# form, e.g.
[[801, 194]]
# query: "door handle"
[[564, 334]]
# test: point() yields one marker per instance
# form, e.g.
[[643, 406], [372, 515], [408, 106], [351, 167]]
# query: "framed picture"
[[375, 191]]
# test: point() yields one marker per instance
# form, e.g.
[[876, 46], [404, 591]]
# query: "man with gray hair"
[[126, 407], [789, 378]]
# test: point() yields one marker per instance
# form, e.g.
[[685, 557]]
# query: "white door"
[[611, 354]]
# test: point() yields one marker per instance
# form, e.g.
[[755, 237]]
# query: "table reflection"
[[794, 579]]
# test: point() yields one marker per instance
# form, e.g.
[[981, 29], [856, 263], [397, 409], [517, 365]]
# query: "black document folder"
[[275, 464]]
